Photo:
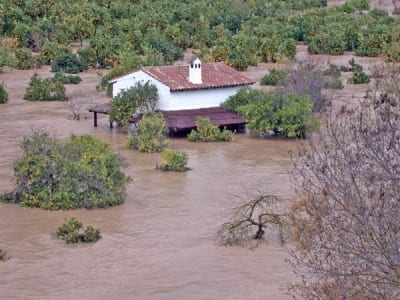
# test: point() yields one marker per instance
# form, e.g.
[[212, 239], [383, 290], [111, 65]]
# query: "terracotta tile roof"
[[186, 119], [214, 75]]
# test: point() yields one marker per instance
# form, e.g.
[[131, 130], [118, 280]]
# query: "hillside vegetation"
[[123, 34]]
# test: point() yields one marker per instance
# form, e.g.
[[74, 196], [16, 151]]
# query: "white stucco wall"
[[192, 99], [197, 98], [130, 80]]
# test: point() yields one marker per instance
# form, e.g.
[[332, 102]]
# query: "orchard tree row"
[[126, 34]]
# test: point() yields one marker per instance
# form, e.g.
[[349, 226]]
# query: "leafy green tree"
[[79, 172], [138, 99], [274, 77], [174, 161], [24, 59], [68, 63], [149, 136], [3, 94], [6, 59], [51, 50], [46, 89], [208, 132], [286, 114], [242, 97]]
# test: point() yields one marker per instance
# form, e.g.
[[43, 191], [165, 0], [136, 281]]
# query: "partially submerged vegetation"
[[3, 93], [175, 161], [81, 172], [48, 89], [72, 231], [208, 132], [283, 114], [149, 134]]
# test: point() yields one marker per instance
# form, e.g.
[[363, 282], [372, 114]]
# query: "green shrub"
[[68, 63], [51, 50], [149, 135], [81, 172], [207, 132], [72, 232], [3, 94], [242, 97], [67, 79], [25, 60], [140, 98], [174, 161], [6, 59], [359, 77], [289, 115], [46, 89], [274, 77]]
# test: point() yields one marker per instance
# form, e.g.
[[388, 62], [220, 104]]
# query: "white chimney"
[[195, 71]]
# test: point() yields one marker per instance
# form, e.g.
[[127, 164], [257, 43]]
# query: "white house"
[[187, 87]]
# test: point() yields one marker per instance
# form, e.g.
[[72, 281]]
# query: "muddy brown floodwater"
[[160, 244]]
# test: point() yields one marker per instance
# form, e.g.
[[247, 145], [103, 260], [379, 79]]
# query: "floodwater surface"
[[160, 244]]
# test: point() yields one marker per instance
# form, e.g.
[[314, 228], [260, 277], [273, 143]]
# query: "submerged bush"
[[67, 79], [174, 161], [3, 94], [208, 132], [150, 134], [81, 172], [72, 232], [46, 89]]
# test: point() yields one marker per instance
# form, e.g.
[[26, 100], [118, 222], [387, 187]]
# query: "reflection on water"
[[158, 245]]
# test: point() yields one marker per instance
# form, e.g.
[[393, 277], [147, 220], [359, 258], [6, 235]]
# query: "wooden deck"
[[100, 109], [183, 120]]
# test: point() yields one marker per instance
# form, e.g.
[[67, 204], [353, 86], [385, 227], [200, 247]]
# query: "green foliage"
[[72, 232], [68, 63], [359, 76], [67, 79], [239, 33], [274, 77], [174, 161], [288, 115], [150, 134], [51, 50], [6, 59], [208, 132], [138, 99], [3, 94], [25, 60], [46, 89], [81, 172], [242, 97]]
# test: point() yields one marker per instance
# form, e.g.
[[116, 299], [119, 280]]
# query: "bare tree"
[[252, 218], [77, 103], [306, 77], [346, 221]]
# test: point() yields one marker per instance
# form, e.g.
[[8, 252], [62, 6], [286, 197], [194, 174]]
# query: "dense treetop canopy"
[[240, 32]]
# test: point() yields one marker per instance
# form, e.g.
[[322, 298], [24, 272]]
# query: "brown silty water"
[[160, 244]]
